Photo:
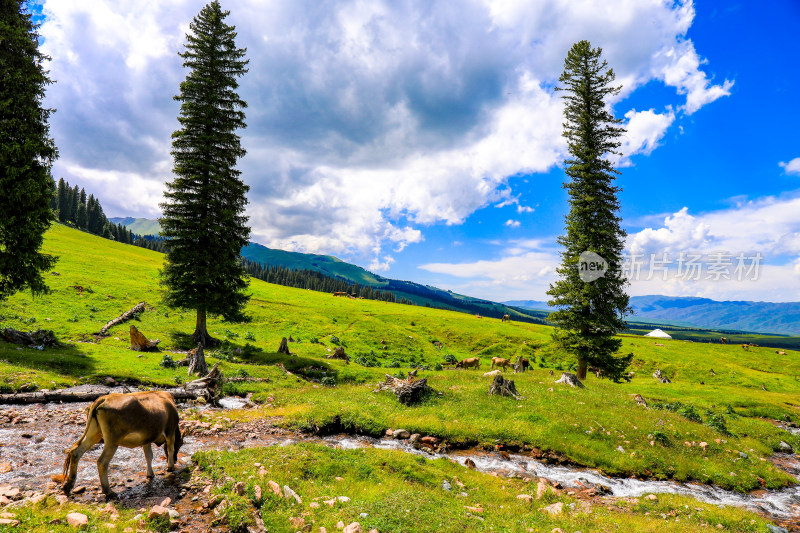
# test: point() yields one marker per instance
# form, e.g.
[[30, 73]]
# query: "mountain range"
[[762, 317]]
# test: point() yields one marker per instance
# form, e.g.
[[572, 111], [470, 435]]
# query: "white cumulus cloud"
[[792, 167], [367, 121]]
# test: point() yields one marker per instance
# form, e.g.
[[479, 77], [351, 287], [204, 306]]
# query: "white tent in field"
[[659, 334]]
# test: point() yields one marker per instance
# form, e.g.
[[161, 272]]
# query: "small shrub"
[[393, 364], [250, 336], [413, 323], [450, 359], [368, 362], [231, 334], [93, 309], [661, 438], [718, 423], [558, 366], [437, 367], [335, 339], [400, 375], [168, 362], [73, 319], [178, 380], [242, 373], [313, 340], [328, 381]]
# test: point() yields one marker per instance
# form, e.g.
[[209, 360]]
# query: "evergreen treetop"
[[203, 215], [26, 153], [590, 313]]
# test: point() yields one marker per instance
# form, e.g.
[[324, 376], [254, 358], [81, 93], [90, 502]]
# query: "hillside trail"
[[33, 439]]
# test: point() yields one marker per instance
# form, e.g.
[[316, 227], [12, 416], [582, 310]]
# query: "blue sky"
[[422, 140]]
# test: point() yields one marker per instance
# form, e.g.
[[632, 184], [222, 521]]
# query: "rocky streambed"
[[33, 439]]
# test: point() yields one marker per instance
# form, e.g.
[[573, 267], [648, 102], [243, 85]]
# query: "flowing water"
[[33, 438]]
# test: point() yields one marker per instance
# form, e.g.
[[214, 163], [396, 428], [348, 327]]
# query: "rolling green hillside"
[[99, 279], [139, 226]]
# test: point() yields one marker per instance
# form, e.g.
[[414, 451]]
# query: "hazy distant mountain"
[[765, 317], [139, 226]]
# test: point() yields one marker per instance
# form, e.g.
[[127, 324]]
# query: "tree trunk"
[[582, 369], [200, 335], [127, 315]]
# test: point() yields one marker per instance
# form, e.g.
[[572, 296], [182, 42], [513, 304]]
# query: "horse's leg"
[[148, 455], [90, 437], [102, 468]]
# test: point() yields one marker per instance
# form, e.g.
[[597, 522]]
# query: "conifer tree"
[[203, 215], [62, 200], [26, 153], [80, 220], [75, 197], [590, 312]]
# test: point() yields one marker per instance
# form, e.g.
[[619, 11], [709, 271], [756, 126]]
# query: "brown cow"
[[501, 363], [470, 362], [780, 352], [506, 318], [130, 420], [723, 340]]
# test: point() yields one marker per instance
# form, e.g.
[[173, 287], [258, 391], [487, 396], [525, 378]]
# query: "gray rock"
[[743, 455], [446, 485], [400, 434], [785, 447], [776, 529]]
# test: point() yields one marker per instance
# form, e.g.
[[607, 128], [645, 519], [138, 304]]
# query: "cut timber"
[[127, 315], [503, 387], [338, 353], [205, 388], [408, 391], [284, 347], [140, 343], [40, 337], [571, 380], [197, 362]]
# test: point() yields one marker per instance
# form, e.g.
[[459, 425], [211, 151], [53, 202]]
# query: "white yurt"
[[658, 334]]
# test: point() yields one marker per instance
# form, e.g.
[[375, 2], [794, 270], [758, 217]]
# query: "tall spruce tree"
[[590, 313], [81, 218], [203, 218], [26, 153], [62, 200]]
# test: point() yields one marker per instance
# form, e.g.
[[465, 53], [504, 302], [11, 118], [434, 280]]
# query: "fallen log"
[[127, 315], [205, 388], [40, 337]]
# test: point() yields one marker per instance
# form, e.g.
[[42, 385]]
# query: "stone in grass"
[[289, 494], [77, 520], [157, 511], [525, 497], [275, 488], [355, 527], [555, 508], [10, 522]]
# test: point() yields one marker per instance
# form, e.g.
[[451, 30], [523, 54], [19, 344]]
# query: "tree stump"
[[571, 380], [503, 387], [284, 347], [521, 365], [197, 361], [338, 353], [140, 343], [408, 391]]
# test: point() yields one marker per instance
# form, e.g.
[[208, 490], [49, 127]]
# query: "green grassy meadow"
[[99, 279]]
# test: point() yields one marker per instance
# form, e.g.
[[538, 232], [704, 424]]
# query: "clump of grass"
[[168, 362]]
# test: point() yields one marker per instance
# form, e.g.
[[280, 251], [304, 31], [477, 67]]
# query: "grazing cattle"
[[723, 340], [132, 420], [745, 347], [470, 362], [478, 316], [597, 371], [340, 293], [755, 345], [780, 352], [506, 318], [499, 362], [657, 344]]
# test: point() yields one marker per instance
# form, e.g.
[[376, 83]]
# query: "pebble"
[[355, 527], [555, 508], [77, 520]]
